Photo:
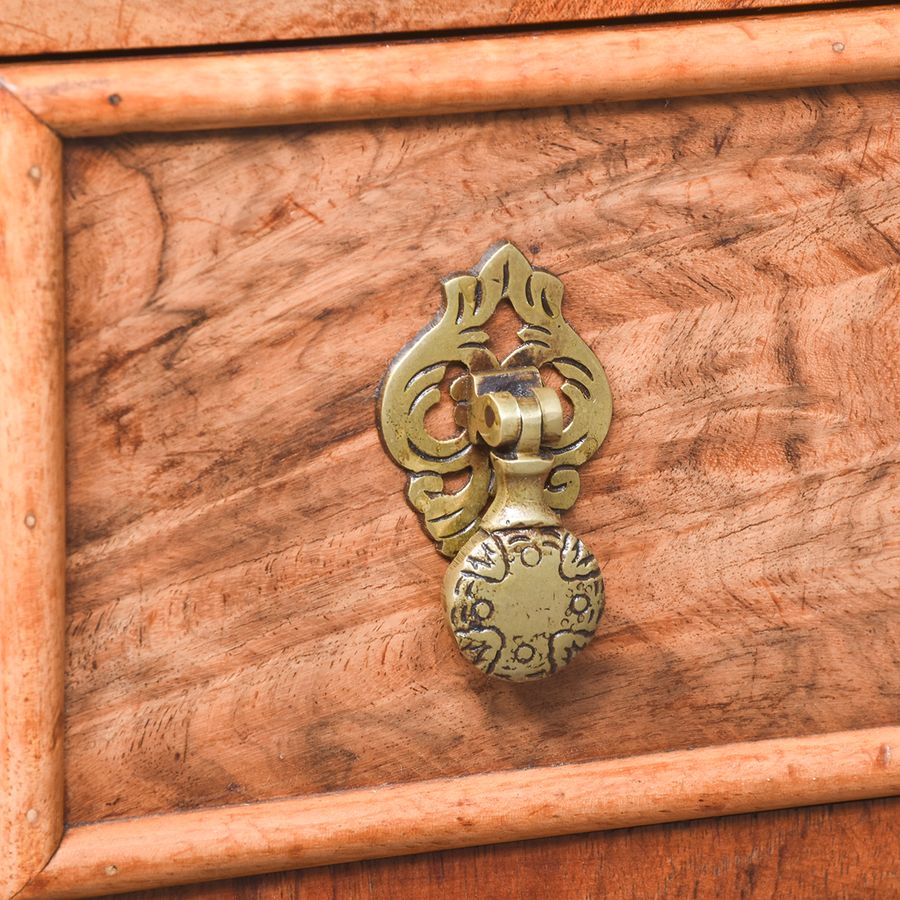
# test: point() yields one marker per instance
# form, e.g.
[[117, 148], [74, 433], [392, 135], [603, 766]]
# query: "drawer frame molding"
[[43, 103], [521, 71]]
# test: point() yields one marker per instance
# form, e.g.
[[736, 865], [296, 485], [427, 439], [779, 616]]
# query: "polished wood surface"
[[846, 851], [206, 530], [127, 854], [254, 611], [513, 72], [32, 503], [56, 27]]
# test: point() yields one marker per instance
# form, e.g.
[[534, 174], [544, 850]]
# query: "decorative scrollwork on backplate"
[[457, 336]]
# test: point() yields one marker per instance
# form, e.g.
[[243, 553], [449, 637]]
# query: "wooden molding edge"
[[32, 495], [226, 842], [630, 62]]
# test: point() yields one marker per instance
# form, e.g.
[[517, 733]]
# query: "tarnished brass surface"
[[522, 594], [412, 387], [523, 601]]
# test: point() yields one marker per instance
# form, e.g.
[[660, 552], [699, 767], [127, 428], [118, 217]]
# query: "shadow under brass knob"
[[523, 595]]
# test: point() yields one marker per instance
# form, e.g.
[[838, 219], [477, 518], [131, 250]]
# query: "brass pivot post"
[[514, 414]]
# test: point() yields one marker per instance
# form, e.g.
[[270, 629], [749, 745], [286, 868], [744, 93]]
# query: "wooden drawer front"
[[88, 25], [253, 610]]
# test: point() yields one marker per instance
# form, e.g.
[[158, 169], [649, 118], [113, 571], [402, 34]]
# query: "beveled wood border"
[[177, 848], [32, 495], [438, 77], [40, 102]]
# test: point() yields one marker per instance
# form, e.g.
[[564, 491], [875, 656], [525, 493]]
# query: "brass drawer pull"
[[523, 595]]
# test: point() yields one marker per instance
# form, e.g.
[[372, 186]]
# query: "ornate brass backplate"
[[522, 594]]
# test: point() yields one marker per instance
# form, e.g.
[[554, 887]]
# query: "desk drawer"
[[224, 647]]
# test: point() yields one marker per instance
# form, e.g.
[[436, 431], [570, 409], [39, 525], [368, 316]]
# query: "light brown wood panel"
[[254, 611], [847, 850], [53, 27]]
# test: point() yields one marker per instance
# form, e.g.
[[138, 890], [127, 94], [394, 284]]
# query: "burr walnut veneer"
[[222, 651]]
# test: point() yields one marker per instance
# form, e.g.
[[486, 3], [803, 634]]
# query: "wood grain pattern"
[[848, 850], [128, 854], [54, 27], [513, 72], [254, 611], [32, 502]]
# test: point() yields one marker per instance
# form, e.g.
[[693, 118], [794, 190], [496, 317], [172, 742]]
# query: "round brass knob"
[[523, 595], [523, 601]]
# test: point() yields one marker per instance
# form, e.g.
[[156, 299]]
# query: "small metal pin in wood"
[[522, 594]]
